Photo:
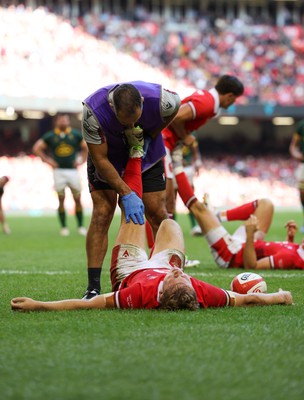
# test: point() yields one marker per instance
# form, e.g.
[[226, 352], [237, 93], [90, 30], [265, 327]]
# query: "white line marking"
[[16, 272], [195, 274], [266, 275]]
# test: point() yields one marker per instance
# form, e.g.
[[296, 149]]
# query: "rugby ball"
[[248, 282]]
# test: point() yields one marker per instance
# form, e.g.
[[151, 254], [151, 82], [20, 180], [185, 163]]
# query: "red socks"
[[243, 212], [132, 175], [185, 190]]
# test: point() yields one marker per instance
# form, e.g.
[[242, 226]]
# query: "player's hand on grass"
[[22, 304], [134, 208], [286, 297]]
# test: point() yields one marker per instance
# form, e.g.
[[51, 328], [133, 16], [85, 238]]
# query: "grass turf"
[[254, 353]]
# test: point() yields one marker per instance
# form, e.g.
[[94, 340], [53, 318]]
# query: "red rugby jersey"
[[141, 290], [283, 255], [204, 104]]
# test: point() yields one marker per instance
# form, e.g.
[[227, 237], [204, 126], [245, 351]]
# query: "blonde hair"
[[179, 297]]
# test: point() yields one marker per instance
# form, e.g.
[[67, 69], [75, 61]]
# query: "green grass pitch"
[[254, 353]]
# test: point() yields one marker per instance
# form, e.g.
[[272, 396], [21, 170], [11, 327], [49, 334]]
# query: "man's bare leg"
[[104, 204], [155, 208], [169, 236]]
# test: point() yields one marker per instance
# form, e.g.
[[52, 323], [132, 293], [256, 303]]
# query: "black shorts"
[[153, 179], [1, 192]]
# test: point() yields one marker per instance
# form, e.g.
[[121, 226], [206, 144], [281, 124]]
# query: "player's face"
[[63, 122], [228, 100], [127, 120], [176, 276]]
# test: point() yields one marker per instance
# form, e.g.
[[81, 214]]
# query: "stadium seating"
[[227, 182], [187, 54]]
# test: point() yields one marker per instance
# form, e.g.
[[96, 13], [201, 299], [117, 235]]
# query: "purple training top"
[[149, 121]]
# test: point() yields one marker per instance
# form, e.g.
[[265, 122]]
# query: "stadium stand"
[[192, 53], [51, 62], [228, 181], [268, 59]]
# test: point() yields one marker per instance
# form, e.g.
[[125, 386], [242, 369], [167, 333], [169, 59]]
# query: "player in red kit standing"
[[195, 111]]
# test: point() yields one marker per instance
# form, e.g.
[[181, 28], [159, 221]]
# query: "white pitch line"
[[196, 274], [266, 275], [16, 272]]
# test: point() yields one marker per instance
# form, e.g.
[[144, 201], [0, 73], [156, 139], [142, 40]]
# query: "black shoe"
[[90, 293]]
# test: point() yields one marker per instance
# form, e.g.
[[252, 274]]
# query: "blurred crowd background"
[[54, 53]]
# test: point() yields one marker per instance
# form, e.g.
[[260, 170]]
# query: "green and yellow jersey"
[[64, 146]]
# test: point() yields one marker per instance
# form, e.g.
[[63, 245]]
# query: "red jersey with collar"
[[141, 290], [283, 255], [204, 105]]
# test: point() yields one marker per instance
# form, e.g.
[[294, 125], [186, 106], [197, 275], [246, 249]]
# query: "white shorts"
[[65, 177], [224, 246], [128, 258]]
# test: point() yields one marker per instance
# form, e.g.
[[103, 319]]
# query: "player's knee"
[[102, 215], [101, 222], [266, 204], [170, 227]]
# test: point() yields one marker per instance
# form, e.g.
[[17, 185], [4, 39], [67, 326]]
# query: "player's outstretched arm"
[[263, 299], [27, 304]]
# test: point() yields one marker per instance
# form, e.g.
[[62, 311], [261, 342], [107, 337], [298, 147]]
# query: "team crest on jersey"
[[64, 150], [125, 254]]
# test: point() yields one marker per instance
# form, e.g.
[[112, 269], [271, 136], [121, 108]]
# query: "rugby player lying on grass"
[[246, 248], [155, 283]]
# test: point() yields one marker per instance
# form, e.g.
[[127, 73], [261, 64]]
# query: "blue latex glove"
[[147, 141], [134, 208]]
